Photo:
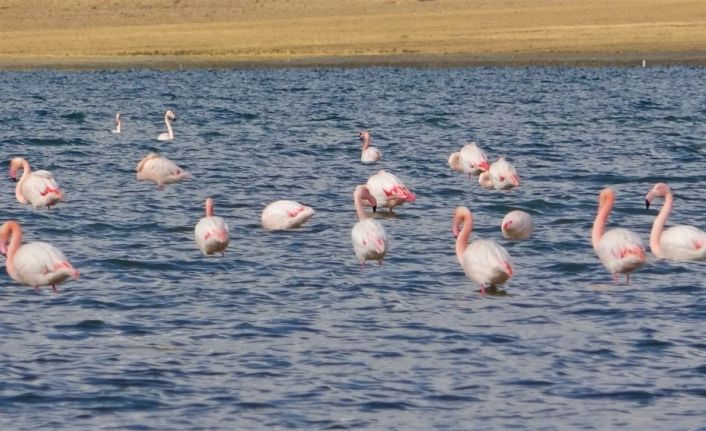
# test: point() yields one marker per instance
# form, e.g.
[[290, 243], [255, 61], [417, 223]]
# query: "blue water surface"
[[286, 331]]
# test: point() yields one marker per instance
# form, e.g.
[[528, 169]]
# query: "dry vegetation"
[[114, 33]]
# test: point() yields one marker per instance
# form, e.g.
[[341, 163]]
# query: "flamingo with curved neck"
[[211, 232], [169, 134], [368, 154], [118, 123], [370, 241], [620, 250], [680, 242], [34, 187], [483, 261], [35, 264]]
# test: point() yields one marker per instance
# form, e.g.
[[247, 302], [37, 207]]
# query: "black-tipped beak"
[[647, 204], [13, 179], [375, 209]]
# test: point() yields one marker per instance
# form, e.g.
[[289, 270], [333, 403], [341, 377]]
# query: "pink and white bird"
[[169, 134], [483, 261], [472, 159], [517, 225], [284, 214], [680, 242], [118, 123], [37, 188], [503, 174], [35, 264], [485, 181], [211, 232], [369, 154], [160, 170], [455, 161], [370, 241], [388, 190], [620, 250]]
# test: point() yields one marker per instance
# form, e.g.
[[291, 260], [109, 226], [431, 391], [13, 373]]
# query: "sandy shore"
[[99, 34]]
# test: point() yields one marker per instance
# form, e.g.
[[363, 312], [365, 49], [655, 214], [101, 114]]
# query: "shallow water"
[[286, 330]]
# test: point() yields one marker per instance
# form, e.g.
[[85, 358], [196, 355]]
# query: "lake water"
[[286, 331]]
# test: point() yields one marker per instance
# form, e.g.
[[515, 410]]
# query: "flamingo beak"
[[375, 208], [13, 175], [647, 203]]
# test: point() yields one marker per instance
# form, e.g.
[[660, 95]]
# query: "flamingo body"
[[35, 264], [160, 170], [472, 159], [38, 188], [388, 190], [503, 175], [680, 242], [517, 225], [285, 214], [211, 232]]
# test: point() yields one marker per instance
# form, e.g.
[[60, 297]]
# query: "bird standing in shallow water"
[[37, 188], [368, 153], [211, 232], [369, 238]]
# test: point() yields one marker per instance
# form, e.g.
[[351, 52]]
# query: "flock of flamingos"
[[484, 261]]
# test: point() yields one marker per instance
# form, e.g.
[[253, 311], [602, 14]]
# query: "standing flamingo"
[[620, 250], [388, 190], [473, 159], [169, 134], [483, 261], [369, 154], [35, 264], [161, 170], [517, 225], [37, 188], [680, 242], [370, 241], [211, 232], [503, 175], [118, 123], [284, 214]]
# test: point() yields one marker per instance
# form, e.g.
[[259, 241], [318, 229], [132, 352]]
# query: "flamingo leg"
[[627, 278], [482, 289], [53, 286], [36, 289]]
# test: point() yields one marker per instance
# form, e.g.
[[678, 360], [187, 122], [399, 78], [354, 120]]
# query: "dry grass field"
[[228, 33]]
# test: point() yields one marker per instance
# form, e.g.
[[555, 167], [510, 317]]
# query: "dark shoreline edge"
[[430, 61]]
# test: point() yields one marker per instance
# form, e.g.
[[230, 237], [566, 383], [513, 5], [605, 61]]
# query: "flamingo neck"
[[658, 224], [466, 218], [170, 132], [358, 201], [601, 220], [117, 127], [18, 188], [209, 207], [13, 229], [366, 143]]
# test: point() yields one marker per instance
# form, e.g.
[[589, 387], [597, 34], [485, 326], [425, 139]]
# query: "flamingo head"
[[659, 190], [363, 193], [364, 135], [606, 197], [169, 115], [15, 165]]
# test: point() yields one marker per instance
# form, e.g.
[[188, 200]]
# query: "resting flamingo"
[[483, 261], [473, 159], [369, 154], [35, 264], [160, 170], [503, 174], [620, 250], [369, 238], [211, 232], [680, 242], [37, 188], [517, 225], [388, 190], [169, 134], [285, 214], [118, 123]]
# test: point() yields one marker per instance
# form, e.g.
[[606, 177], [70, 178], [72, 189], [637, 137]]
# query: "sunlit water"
[[287, 330]]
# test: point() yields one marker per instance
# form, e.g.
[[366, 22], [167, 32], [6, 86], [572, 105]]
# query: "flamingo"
[[388, 190], [503, 175], [161, 170], [37, 188], [517, 225], [455, 161], [169, 134], [369, 154], [211, 232], [473, 159], [483, 261], [284, 214], [680, 242], [620, 250], [35, 264], [370, 241], [118, 123]]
